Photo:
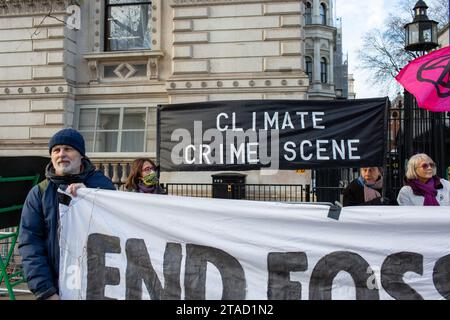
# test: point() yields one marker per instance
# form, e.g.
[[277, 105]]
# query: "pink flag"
[[428, 79]]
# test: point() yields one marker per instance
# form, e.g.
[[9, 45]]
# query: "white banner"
[[123, 245]]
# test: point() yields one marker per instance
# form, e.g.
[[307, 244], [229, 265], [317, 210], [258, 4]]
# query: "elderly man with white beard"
[[69, 170]]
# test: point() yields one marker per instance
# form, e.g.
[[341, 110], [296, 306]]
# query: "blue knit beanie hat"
[[68, 137]]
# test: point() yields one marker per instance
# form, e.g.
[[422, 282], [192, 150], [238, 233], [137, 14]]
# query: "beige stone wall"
[[443, 38], [227, 50], [202, 50], [36, 72]]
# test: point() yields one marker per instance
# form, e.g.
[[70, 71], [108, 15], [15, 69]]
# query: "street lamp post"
[[421, 35]]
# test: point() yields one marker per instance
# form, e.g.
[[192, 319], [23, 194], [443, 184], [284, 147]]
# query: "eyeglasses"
[[425, 166]]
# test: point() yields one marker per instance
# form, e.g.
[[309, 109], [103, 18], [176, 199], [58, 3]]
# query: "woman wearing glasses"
[[143, 177], [422, 186]]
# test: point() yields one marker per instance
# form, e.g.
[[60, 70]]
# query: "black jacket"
[[354, 196]]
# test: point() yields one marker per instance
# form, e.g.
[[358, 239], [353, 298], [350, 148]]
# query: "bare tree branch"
[[383, 54]]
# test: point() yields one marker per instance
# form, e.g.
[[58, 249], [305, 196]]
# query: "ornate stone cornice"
[[180, 3], [15, 7]]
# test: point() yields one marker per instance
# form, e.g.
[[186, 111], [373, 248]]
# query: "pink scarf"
[[369, 189]]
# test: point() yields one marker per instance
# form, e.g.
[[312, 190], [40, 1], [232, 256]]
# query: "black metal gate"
[[327, 184], [415, 130]]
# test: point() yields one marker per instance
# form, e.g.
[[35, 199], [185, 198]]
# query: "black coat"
[[354, 196]]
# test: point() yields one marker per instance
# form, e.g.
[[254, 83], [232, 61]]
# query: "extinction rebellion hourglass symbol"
[[437, 72]]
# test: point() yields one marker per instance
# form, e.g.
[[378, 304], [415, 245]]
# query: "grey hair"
[[413, 163]]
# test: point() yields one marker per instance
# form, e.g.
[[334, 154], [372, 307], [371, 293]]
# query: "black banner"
[[272, 134]]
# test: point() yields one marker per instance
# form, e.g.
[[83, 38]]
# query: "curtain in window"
[[108, 119], [133, 141]]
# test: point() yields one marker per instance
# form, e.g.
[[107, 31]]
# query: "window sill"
[[118, 55], [119, 156], [97, 60]]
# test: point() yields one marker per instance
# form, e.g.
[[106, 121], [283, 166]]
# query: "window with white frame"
[[128, 25], [115, 129]]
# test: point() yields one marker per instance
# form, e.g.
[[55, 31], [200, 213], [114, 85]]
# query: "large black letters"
[[441, 276], [139, 267], [139, 270], [392, 271], [329, 266], [231, 271], [98, 274], [279, 265]]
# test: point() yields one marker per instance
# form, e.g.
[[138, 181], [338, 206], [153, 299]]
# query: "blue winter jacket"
[[38, 236]]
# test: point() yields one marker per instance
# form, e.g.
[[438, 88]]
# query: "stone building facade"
[[103, 66], [443, 36]]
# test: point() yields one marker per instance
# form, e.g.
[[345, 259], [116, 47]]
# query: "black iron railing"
[[256, 192], [414, 130]]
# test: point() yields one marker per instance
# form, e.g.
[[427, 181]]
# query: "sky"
[[358, 17]]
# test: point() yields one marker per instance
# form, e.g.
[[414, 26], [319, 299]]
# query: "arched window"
[[323, 71], [323, 14], [308, 11], [309, 67]]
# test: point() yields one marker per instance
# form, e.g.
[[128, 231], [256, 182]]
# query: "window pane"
[[129, 27], [127, 1], [413, 33], [89, 140], [134, 118], [141, 70], [132, 141], [308, 13], [309, 68], [87, 119], [109, 71], [427, 35], [108, 119], [323, 70], [106, 142], [151, 145], [323, 14]]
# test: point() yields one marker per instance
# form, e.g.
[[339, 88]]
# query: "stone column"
[[331, 64], [316, 61], [330, 15], [316, 12]]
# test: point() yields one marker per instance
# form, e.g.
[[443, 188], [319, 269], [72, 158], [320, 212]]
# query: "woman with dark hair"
[[422, 186], [143, 177]]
